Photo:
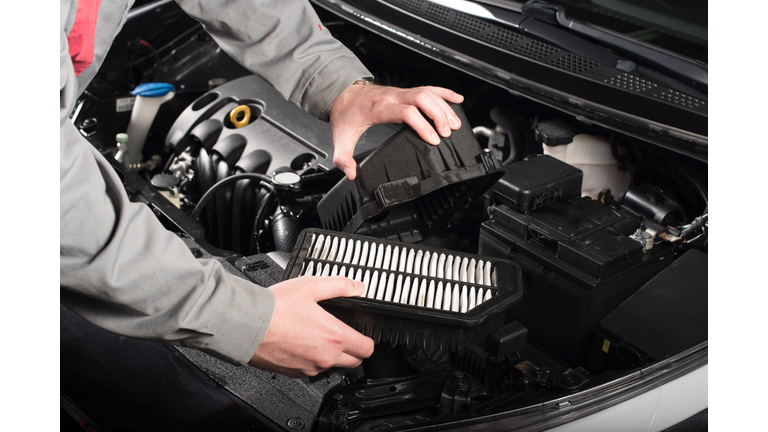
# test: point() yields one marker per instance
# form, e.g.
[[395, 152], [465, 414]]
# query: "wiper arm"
[[543, 20], [689, 70], [540, 29]]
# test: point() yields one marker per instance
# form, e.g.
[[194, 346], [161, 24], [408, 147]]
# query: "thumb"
[[344, 141], [337, 286]]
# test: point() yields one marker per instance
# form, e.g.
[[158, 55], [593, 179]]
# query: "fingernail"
[[455, 123], [359, 288], [348, 172], [435, 139]]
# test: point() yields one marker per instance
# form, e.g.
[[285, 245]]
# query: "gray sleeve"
[[121, 270], [284, 42]]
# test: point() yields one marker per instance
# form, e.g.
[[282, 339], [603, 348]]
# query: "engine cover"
[[292, 138]]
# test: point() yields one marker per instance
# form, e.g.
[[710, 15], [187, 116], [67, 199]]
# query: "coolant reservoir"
[[149, 97], [589, 153]]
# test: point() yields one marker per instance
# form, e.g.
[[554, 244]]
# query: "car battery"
[[666, 316], [578, 262]]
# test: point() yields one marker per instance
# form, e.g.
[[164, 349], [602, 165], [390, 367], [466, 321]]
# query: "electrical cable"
[[699, 222], [266, 181], [624, 160], [170, 162], [316, 176], [261, 215]]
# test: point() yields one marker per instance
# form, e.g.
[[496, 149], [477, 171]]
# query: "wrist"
[[363, 81]]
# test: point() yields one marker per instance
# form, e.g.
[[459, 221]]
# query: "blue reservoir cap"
[[153, 89]]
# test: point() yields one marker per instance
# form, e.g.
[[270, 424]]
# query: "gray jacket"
[[119, 268]]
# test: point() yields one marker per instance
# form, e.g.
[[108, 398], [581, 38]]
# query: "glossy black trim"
[[696, 423], [587, 99]]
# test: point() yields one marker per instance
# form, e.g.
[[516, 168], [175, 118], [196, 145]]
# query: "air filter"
[[407, 189], [415, 295]]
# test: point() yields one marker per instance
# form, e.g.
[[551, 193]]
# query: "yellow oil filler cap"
[[235, 113]]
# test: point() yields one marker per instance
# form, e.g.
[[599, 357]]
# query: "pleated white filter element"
[[402, 274]]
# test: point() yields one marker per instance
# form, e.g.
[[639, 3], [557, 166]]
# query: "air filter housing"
[[407, 189], [415, 295]]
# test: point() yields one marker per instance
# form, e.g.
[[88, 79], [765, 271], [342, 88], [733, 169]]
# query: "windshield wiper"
[[686, 69], [540, 29], [537, 17]]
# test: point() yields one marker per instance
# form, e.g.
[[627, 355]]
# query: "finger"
[[410, 115], [344, 141], [447, 94], [349, 361], [453, 120], [323, 288], [347, 164], [442, 95], [358, 345], [344, 146], [434, 107]]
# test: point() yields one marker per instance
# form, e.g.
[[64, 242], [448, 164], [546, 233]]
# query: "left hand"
[[362, 106], [302, 338]]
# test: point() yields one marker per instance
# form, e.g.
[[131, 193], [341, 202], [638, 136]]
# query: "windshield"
[[677, 25]]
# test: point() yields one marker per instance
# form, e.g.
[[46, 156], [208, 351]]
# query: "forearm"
[[284, 42], [121, 270]]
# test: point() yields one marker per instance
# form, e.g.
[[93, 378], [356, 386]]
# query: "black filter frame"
[[414, 325]]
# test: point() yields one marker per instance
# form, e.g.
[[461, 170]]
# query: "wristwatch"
[[364, 81]]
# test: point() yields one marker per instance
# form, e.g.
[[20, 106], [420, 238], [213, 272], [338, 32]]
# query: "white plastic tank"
[[589, 153], [149, 97]]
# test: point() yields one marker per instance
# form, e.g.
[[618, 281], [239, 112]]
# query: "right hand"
[[362, 106], [303, 339]]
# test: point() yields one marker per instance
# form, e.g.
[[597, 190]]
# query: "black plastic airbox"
[[407, 189], [416, 275]]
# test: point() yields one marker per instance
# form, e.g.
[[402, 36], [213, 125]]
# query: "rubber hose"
[[266, 181], [243, 212], [261, 214], [205, 170], [503, 117], [223, 208], [285, 230]]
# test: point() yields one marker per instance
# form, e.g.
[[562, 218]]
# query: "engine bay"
[[605, 233]]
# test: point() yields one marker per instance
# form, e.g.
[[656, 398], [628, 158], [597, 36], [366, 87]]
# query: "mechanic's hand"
[[303, 339], [362, 106]]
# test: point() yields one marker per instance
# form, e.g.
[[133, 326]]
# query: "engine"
[[558, 221]]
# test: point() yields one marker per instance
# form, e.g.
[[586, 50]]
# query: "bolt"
[[88, 126], [296, 423], [339, 400]]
